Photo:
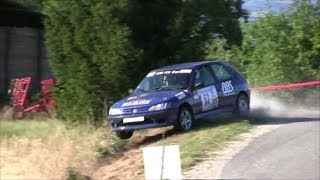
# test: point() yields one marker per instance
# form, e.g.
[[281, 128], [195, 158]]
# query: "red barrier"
[[287, 86], [19, 92]]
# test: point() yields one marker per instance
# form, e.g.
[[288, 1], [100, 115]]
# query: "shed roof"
[[15, 15]]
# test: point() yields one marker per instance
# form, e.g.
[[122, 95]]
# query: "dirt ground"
[[129, 164]]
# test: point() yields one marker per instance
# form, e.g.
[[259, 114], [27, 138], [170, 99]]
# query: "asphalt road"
[[290, 152]]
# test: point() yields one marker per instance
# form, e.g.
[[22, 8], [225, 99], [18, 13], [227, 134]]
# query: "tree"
[[283, 48], [177, 31], [278, 48], [88, 50]]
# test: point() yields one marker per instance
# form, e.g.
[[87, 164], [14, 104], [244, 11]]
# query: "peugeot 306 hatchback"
[[180, 94]]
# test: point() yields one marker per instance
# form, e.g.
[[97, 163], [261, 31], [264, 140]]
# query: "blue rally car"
[[178, 95]]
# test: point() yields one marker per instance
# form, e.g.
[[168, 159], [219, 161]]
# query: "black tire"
[[185, 119], [124, 134], [243, 105]]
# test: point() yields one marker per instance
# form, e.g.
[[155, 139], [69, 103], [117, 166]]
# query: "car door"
[[205, 95], [226, 83]]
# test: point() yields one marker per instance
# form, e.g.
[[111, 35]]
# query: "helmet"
[[169, 80]]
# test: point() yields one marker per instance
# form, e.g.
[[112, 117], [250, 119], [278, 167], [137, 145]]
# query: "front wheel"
[[124, 134], [243, 106], [185, 119]]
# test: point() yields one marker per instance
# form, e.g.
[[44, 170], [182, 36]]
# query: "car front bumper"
[[151, 120]]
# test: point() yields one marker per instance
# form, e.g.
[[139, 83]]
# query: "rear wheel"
[[124, 134], [243, 106], [185, 119]]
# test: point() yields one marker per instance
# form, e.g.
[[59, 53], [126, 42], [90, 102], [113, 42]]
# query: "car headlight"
[[115, 111], [159, 107]]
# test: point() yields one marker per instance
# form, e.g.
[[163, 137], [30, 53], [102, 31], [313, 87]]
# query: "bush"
[[88, 50]]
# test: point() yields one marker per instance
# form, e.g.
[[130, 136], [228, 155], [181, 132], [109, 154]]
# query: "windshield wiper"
[[140, 90], [165, 88]]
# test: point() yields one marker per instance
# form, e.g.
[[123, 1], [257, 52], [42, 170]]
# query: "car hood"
[[148, 98]]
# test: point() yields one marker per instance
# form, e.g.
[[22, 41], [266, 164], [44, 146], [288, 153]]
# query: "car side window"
[[204, 75], [221, 72]]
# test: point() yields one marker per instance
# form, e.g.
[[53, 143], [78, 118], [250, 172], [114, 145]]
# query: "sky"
[[260, 7]]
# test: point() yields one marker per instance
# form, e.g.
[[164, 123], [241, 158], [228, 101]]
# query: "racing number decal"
[[206, 98], [227, 88], [209, 97]]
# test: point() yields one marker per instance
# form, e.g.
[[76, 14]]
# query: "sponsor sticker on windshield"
[[185, 71], [151, 74], [181, 71]]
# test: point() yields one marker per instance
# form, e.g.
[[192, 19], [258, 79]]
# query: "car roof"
[[190, 65]]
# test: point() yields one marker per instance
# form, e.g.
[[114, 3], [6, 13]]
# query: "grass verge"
[[39, 149], [206, 137]]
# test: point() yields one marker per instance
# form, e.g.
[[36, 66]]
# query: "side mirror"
[[130, 91], [199, 85]]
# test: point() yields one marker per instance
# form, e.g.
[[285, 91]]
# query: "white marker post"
[[162, 162]]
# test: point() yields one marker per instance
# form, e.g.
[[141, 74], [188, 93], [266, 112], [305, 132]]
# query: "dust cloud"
[[265, 105]]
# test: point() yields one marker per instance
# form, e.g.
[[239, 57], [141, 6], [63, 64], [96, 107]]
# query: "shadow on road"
[[261, 116]]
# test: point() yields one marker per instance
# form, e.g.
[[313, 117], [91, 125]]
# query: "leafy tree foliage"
[[278, 48], [176, 31], [285, 47], [88, 50]]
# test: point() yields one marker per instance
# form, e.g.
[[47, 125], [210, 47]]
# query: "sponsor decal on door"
[[227, 88]]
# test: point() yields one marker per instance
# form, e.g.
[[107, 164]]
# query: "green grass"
[[206, 137]]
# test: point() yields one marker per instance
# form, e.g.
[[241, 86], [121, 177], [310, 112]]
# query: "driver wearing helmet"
[[169, 81]]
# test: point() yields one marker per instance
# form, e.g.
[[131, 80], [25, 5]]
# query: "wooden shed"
[[22, 50]]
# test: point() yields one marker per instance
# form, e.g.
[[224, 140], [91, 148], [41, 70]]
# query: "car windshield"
[[167, 80]]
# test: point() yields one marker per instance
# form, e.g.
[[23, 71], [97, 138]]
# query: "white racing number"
[[227, 88], [209, 97]]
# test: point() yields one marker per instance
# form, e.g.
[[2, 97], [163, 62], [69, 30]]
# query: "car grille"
[[128, 111]]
